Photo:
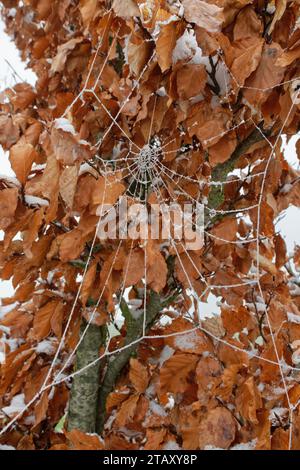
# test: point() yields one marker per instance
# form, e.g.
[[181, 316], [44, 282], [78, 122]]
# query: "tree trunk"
[[117, 362], [84, 392]]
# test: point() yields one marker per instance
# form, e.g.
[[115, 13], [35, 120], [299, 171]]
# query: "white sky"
[[288, 224]]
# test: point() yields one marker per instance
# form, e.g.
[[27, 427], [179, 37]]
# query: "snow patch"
[[157, 409], [293, 318], [242, 446], [4, 309], [65, 125], [17, 404], [46, 347], [166, 353], [171, 445], [187, 49], [186, 341], [36, 201], [245, 445]]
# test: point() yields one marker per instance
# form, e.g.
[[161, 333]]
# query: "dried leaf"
[[79, 440], [126, 8], [22, 156], [248, 400], [63, 51], [191, 81], [88, 282], [138, 375], [127, 410], [8, 206], [279, 11], [217, 429], [175, 372], [206, 15], [165, 44], [9, 132], [42, 320]]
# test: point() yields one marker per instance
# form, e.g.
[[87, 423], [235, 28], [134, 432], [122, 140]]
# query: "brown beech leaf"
[[87, 9], [116, 398], [222, 150], [264, 262], [165, 99], [289, 56], [8, 206], [267, 75], [17, 321], [126, 8], [97, 317], [157, 272], [134, 268], [106, 192], [56, 321], [87, 283], [41, 407], [22, 156], [63, 51], [138, 53], [68, 184], [31, 233], [248, 25], [9, 132], [24, 96], [247, 60], [165, 44], [248, 400], [67, 146], [32, 133], [72, 245], [217, 429], [26, 443], [175, 371], [225, 231], [127, 410], [191, 80], [208, 373], [138, 375], [229, 379], [42, 319], [189, 421], [263, 431], [155, 438], [206, 15], [280, 249], [214, 326], [79, 440], [279, 11], [280, 439]]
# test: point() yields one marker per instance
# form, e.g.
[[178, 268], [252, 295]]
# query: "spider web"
[[145, 168]]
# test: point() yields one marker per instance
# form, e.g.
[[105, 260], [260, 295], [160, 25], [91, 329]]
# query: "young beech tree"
[[105, 341]]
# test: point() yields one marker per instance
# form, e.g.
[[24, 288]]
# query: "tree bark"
[[84, 392]]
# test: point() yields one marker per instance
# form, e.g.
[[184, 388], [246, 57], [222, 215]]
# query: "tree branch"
[[220, 172], [118, 361]]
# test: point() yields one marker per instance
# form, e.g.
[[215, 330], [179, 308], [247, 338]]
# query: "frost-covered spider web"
[[157, 163]]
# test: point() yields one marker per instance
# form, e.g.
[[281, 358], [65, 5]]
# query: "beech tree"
[[105, 339]]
